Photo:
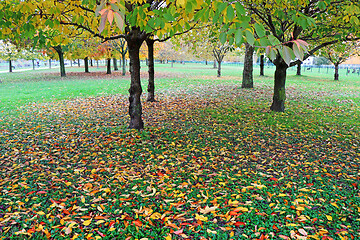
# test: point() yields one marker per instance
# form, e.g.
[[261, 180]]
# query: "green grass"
[[69, 167]]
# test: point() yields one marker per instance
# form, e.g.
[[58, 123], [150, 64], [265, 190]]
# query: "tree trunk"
[[10, 66], [336, 75], [172, 63], [279, 96], [123, 65], [97, 63], [108, 66], [219, 69], [78, 62], [298, 69], [60, 52], [262, 64], [150, 60], [50, 63], [135, 108], [214, 64], [86, 63], [248, 81], [71, 62], [91, 62], [206, 63], [33, 63], [115, 64]]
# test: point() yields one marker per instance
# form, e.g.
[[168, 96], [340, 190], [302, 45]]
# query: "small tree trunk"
[[298, 69], [33, 63], [262, 64], [135, 108], [78, 62], [150, 61], [50, 63], [97, 63], [115, 64], [219, 69], [248, 81], [214, 64], [172, 63], [123, 65], [71, 62], [86, 63], [336, 75], [279, 96], [108, 66], [91, 62], [10, 66], [60, 52]]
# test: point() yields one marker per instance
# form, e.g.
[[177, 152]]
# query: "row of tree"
[[287, 31]]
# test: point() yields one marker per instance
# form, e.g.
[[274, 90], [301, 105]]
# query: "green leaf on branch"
[[249, 37], [230, 13], [260, 30]]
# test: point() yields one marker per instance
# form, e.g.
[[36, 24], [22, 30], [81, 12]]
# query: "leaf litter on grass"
[[213, 163]]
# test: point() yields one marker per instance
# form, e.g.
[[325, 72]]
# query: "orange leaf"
[[137, 223]]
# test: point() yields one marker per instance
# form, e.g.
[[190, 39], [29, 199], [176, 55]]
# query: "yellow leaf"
[[329, 217], [112, 229], [210, 231], [41, 213], [200, 217], [99, 208], [87, 223], [155, 215], [99, 222], [168, 237]]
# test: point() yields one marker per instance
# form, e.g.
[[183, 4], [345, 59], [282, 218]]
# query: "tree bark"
[[91, 62], [108, 66], [336, 75], [215, 64], [78, 62], [50, 63], [247, 80], [10, 66], [219, 69], [86, 63], [115, 64], [279, 96], [123, 65], [135, 109], [150, 60], [71, 62], [97, 63], [298, 69], [60, 52], [262, 64], [33, 63]]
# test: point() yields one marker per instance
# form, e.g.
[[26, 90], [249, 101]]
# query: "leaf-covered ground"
[[212, 163]]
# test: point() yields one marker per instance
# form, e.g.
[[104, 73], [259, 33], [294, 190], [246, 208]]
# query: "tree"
[[285, 25], [247, 80], [9, 52], [339, 53], [120, 46]]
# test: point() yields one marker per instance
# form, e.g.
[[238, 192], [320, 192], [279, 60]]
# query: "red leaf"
[[238, 224], [41, 192], [30, 193], [274, 179], [100, 233], [178, 232]]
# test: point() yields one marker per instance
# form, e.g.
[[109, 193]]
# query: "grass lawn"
[[212, 163]]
